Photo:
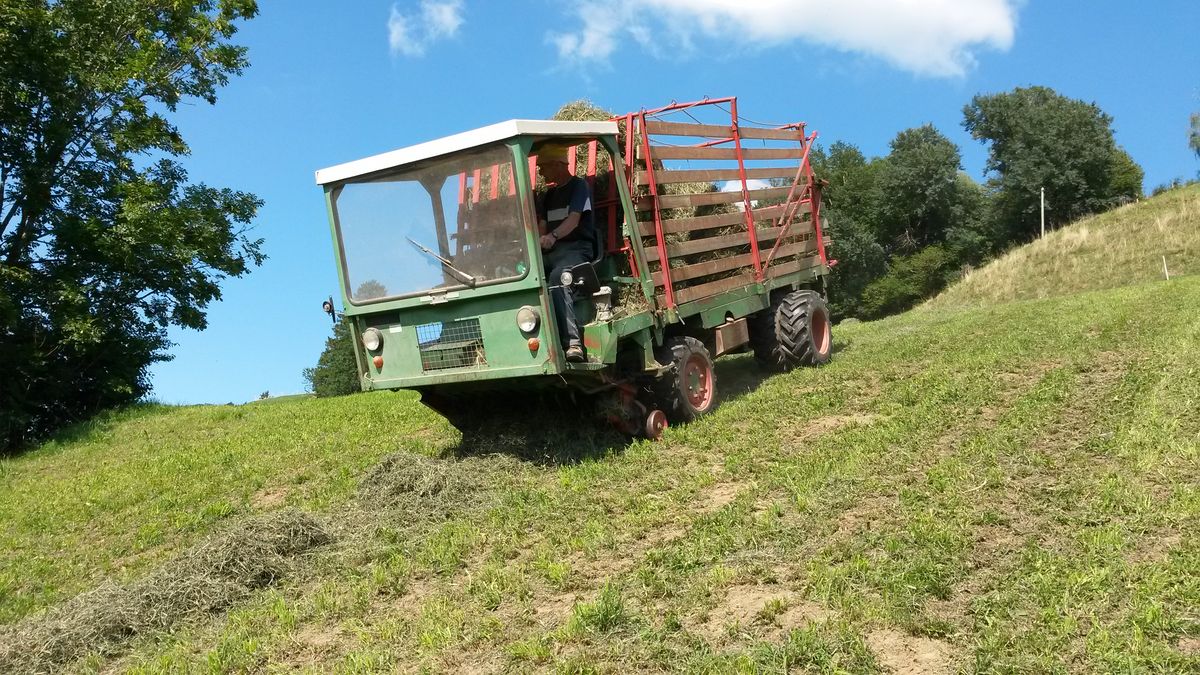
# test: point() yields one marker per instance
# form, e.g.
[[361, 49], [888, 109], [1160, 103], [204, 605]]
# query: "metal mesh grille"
[[451, 344]]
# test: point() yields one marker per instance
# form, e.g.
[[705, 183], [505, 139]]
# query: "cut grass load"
[[1003, 489]]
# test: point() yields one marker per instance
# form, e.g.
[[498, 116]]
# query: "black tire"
[[792, 332], [688, 389]]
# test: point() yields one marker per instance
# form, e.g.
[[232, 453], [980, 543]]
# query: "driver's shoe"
[[575, 354]]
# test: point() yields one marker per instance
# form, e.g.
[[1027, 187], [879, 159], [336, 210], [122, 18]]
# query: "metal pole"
[[1043, 212]]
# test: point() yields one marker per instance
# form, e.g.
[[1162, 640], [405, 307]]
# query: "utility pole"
[[1043, 212]]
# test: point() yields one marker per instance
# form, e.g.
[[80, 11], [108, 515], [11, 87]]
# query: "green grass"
[[1013, 488], [115, 497], [1117, 248]]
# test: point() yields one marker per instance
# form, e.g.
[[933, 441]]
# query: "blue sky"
[[332, 82]]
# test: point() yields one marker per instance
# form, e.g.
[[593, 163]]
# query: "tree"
[[1038, 138], [103, 241], [370, 289], [336, 372], [860, 260], [1126, 177], [853, 183], [1194, 135], [909, 280], [919, 180]]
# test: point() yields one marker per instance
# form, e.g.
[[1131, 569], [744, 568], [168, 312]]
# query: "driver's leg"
[[564, 257]]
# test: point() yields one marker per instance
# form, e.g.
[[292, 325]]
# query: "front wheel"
[[793, 331], [688, 389]]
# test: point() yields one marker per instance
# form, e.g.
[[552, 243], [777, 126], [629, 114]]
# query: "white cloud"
[[928, 37], [751, 184], [411, 34]]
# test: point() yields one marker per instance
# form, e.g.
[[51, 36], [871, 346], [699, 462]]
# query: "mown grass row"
[[1008, 489]]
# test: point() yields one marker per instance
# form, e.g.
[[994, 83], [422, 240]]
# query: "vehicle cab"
[[438, 254]]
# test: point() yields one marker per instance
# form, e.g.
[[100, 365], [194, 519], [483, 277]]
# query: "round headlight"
[[566, 278], [528, 319], [372, 339]]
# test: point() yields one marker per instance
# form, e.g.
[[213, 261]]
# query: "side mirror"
[[327, 307], [581, 277]]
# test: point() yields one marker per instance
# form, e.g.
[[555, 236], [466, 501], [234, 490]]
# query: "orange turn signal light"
[[534, 344], [378, 361]]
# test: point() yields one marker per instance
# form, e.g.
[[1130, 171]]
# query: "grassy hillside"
[[1006, 489], [1118, 248]]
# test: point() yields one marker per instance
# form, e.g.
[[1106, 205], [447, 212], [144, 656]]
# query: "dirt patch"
[[555, 609], [313, 646], [902, 654], [718, 497], [1154, 548], [821, 426], [1188, 646], [766, 612], [206, 578], [867, 514], [269, 498]]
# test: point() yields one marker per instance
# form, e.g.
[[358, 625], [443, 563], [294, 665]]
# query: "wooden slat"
[[718, 131], [711, 288], [685, 129], [770, 134], [663, 177], [713, 243], [798, 265], [709, 198], [679, 274], [720, 285], [676, 225], [665, 152]]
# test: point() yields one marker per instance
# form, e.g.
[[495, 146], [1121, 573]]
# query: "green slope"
[[1121, 247], [1010, 488], [948, 487]]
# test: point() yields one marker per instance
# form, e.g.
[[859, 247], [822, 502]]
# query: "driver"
[[568, 235]]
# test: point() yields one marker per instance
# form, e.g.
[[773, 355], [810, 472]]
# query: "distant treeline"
[[905, 225]]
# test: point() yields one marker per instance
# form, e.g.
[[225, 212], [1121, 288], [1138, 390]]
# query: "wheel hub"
[[697, 379]]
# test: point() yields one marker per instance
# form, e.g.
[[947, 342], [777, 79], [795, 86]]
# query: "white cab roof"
[[468, 139]]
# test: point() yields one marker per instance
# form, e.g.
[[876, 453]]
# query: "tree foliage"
[[336, 372], [920, 181], [1038, 139], [1126, 177], [909, 280], [103, 241], [1194, 134], [882, 209]]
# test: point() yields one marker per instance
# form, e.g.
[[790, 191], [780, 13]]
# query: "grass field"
[[1006, 488]]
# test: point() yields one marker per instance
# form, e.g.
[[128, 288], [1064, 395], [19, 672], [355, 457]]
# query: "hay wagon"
[[709, 243]]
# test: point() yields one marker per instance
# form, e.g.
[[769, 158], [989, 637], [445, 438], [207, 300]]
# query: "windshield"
[[452, 223]]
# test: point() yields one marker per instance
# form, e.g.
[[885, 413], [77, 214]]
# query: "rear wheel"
[[793, 331], [688, 389]]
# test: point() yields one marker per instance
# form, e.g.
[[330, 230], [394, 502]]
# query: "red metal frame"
[[751, 229], [663, 261], [470, 188], [810, 193]]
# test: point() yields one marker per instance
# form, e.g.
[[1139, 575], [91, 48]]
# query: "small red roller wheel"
[[656, 421]]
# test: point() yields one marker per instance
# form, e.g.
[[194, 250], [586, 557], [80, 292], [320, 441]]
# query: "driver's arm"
[[567, 226]]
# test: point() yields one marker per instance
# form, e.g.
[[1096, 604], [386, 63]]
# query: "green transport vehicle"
[[708, 243]]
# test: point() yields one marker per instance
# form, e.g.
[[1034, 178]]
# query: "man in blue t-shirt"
[[568, 237]]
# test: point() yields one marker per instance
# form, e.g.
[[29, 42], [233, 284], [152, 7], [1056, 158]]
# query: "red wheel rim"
[[820, 332], [697, 382], [655, 423]]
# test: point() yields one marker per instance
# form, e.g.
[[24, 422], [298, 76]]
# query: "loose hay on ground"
[[206, 578]]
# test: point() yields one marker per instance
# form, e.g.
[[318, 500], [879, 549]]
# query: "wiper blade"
[[458, 274]]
